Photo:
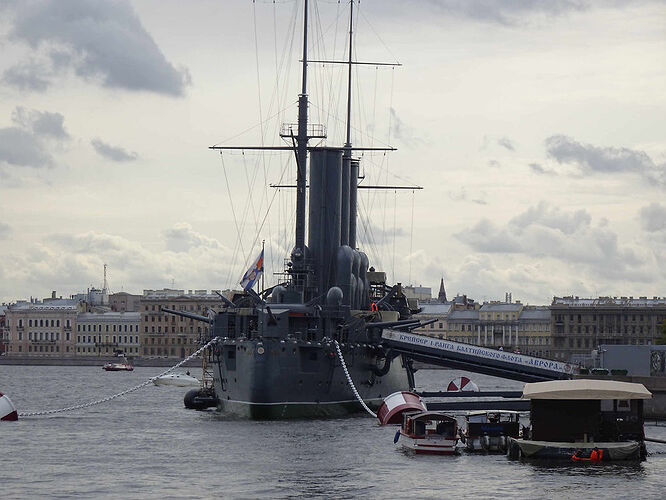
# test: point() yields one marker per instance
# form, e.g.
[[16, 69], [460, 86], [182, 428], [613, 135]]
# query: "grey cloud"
[[30, 75], [494, 164], [5, 230], [182, 238], [653, 217], [21, 148], [553, 218], [28, 143], [113, 153], [503, 12], [402, 132], [517, 11], [102, 41], [378, 236], [538, 169], [506, 143], [41, 123], [543, 231], [593, 159]]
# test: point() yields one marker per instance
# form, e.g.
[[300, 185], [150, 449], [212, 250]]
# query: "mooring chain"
[[349, 379], [109, 398]]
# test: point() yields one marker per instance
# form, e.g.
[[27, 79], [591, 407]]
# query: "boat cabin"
[[429, 423], [586, 410], [492, 423]]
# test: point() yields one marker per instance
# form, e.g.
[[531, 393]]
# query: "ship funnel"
[[325, 213]]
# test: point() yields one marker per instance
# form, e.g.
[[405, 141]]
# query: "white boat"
[[428, 433], [178, 380]]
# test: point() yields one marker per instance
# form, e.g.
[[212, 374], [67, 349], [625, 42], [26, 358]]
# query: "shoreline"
[[96, 361]]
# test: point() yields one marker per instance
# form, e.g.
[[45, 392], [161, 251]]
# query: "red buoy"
[[7, 409]]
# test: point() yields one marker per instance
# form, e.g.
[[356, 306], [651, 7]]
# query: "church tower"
[[442, 292]]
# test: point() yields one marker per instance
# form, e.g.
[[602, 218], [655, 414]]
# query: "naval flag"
[[251, 275]]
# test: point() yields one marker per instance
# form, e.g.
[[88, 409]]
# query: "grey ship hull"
[[278, 379]]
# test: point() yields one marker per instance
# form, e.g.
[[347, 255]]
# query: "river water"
[[147, 445]]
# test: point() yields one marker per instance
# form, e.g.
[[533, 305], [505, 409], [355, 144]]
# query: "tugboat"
[[599, 420], [311, 346]]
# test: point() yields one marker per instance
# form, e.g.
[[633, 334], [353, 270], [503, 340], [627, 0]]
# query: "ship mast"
[[302, 152]]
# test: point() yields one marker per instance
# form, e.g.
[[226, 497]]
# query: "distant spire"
[[442, 292]]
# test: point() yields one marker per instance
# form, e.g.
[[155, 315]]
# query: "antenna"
[[104, 287]]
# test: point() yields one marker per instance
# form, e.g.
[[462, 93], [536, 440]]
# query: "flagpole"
[[263, 242]]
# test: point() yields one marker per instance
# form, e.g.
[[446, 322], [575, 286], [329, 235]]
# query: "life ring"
[[462, 384], [373, 307]]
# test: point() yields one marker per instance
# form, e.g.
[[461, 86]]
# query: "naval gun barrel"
[[184, 314]]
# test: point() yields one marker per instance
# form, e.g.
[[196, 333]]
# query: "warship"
[[311, 347]]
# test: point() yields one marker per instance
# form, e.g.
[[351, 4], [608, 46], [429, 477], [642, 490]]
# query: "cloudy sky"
[[537, 129]]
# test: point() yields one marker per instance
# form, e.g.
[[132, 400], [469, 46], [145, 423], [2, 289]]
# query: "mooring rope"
[[109, 398], [349, 379]]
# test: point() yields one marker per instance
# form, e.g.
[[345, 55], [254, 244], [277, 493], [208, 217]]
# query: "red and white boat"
[[124, 366], [428, 433]]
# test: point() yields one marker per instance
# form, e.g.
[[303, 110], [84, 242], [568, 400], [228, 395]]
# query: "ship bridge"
[[477, 359]]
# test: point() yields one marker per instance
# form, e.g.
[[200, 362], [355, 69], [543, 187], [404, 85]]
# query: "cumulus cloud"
[[517, 11], [29, 142], [99, 41], [182, 238], [375, 235], [30, 75], [71, 262], [506, 143], [653, 217], [113, 153], [591, 159], [537, 168], [548, 232], [498, 11]]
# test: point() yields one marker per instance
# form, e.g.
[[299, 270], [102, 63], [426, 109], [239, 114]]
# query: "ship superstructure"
[[275, 356]]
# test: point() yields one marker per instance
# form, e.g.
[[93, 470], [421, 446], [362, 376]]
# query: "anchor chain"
[[349, 379], [128, 391]]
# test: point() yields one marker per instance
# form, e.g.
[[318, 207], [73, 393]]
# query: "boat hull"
[[428, 446], [277, 379], [612, 451]]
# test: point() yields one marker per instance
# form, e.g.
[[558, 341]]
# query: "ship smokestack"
[[325, 213]]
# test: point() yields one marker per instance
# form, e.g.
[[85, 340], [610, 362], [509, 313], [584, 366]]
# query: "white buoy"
[[7, 409]]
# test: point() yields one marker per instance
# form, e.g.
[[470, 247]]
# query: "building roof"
[[572, 301], [55, 304], [501, 307], [536, 313], [585, 389], [435, 308], [466, 314]]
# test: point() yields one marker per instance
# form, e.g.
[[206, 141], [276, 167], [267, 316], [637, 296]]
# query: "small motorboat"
[[178, 380], [428, 433], [490, 430], [124, 366]]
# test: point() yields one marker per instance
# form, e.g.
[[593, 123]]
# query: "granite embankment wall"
[[96, 361]]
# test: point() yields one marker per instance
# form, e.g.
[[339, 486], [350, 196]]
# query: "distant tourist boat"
[[124, 366], [490, 430], [428, 433], [178, 380], [599, 420]]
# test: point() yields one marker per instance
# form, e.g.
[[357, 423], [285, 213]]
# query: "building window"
[[29, 322]]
